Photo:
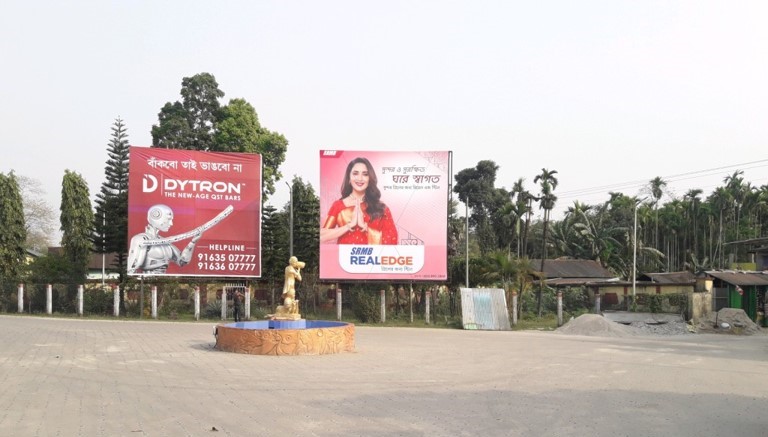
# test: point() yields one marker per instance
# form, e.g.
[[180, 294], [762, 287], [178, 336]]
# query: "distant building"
[[97, 265]]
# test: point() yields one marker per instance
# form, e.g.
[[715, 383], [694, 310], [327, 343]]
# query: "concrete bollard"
[[224, 307], [514, 308], [559, 308], [383, 295], [116, 301], [338, 304], [428, 298], [49, 299], [410, 303], [247, 315], [80, 300], [20, 298], [197, 302]]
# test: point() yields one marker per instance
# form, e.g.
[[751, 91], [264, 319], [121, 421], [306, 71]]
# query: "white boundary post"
[[224, 302], [247, 315], [116, 301], [20, 298], [80, 300], [197, 302], [514, 308], [559, 308], [49, 299], [338, 303], [383, 294], [428, 297]]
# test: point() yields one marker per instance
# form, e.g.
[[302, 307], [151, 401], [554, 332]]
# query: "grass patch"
[[532, 323]]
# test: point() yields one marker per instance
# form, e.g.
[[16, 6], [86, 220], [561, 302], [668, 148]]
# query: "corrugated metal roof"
[[94, 263], [572, 268], [559, 282], [740, 278], [672, 277]]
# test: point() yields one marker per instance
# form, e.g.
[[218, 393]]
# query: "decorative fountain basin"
[[286, 337]]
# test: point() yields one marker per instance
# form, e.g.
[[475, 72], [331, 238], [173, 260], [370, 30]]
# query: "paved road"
[[119, 378]]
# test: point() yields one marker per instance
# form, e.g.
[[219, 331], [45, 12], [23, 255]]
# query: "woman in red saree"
[[359, 217]]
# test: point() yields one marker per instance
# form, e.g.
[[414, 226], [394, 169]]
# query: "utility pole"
[[466, 242], [634, 253]]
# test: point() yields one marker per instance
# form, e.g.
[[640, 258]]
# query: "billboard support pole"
[[141, 299], [154, 302], [466, 226], [338, 303], [410, 301]]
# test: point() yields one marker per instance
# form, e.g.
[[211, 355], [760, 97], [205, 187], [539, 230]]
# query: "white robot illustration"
[[150, 253]]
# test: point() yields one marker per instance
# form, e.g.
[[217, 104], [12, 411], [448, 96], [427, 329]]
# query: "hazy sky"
[[609, 93]]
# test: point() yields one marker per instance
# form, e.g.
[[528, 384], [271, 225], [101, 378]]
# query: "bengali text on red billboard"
[[194, 213], [384, 215]]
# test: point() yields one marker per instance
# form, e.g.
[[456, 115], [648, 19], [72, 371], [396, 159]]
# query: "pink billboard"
[[384, 215], [194, 213]]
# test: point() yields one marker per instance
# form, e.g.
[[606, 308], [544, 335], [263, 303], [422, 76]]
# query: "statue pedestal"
[[286, 337]]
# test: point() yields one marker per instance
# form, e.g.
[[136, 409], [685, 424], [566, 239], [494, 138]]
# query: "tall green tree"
[[191, 123], [475, 187], [199, 122], [13, 233], [306, 232], [739, 192], [111, 218], [524, 206], [693, 202], [76, 224], [306, 236], [656, 189], [173, 130], [720, 201], [547, 201], [238, 130], [274, 246]]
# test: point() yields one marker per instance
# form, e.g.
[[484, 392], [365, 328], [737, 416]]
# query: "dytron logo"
[[150, 185]]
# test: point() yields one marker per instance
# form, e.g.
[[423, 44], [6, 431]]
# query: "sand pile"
[[596, 325], [736, 319]]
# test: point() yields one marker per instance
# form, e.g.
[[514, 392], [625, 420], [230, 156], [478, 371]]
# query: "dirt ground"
[[726, 321]]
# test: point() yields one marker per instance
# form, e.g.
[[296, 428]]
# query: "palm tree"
[[720, 200], [672, 221], [524, 204], [739, 192], [656, 187], [506, 219], [693, 201], [761, 209], [501, 269], [548, 183], [601, 240]]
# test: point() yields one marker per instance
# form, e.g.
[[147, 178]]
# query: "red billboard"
[[194, 213], [384, 215]]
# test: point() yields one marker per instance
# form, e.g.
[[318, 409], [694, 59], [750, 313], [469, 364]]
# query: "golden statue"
[[289, 310]]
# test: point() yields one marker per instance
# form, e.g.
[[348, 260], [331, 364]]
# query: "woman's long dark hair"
[[372, 194]]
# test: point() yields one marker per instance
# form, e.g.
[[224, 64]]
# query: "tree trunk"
[[543, 257]]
